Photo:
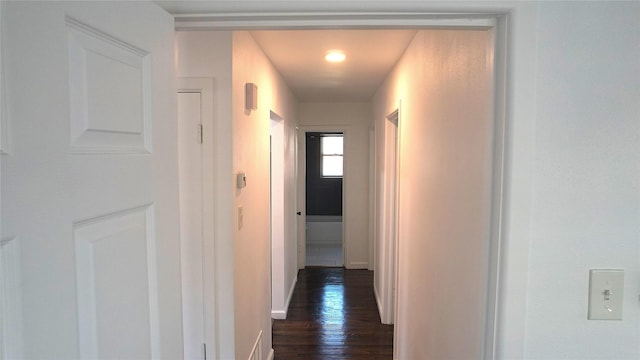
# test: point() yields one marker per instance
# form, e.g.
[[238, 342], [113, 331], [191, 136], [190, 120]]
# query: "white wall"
[[283, 228], [574, 52], [251, 155], [585, 207], [572, 180], [444, 83], [242, 145], [355, 119], [324, 230], [208, 54]]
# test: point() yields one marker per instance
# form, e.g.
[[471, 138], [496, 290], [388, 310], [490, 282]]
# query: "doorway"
[[350, 251], [324, 233]]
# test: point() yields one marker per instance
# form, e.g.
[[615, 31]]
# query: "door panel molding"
[[110, 241], [107, 76]]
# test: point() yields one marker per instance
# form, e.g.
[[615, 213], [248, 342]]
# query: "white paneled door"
[[90, 187]]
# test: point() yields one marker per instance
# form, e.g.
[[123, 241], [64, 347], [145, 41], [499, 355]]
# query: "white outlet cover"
[[606, 294]]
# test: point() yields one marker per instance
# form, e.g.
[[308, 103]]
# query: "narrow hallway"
[[333, 315]]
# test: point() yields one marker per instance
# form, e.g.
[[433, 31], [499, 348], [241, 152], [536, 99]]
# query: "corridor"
[[333, 315]]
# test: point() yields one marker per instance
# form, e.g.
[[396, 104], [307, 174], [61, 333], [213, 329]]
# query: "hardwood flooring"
[[333, 315]]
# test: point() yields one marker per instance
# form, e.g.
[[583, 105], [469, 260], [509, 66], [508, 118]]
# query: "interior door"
[[89, 189]]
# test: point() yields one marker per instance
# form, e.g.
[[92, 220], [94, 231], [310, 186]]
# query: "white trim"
[[282, 314], [477, 15], [279, 314], [301, 202], [293, 287], [360, 265], [271, 355], [378, 302], [396, 260], [372, 199], [492, 315], [212, 322], [277, 216], [325, 20], [389, 222]]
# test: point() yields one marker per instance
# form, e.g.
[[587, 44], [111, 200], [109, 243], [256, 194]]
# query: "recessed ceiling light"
[[335, 56]]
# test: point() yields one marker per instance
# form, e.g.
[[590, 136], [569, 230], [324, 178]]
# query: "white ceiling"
[[299, 54], [299, 57]]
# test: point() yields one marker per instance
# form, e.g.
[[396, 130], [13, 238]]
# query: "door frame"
[[205, 87], [5, 145], [502, 20], [277, 216], [387, 235], [302, 189]]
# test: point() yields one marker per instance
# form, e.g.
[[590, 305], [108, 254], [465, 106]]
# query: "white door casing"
[[278, 287], [430, 15], [302, 187], [195, 122], [389, 220], [190, 179], [301, 197], [90, 189]]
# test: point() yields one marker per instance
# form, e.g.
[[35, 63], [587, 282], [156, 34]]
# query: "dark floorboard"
[[333, 315]]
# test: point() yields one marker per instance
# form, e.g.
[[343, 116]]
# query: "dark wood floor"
[[333, 315]]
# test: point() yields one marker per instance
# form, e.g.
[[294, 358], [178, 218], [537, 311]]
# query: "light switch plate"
[[606, 294]]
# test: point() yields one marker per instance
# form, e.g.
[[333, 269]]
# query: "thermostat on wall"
[[241, 180]]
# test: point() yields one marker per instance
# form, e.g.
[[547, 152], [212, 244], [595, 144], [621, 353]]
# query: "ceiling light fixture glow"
[[335, 56]]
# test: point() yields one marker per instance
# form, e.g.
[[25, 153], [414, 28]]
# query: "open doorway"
[[416, 97], [324, 188]]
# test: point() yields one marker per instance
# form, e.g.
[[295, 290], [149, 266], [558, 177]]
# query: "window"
[[331, 148]]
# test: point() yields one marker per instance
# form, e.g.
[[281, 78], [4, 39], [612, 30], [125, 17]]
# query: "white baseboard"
[[378, 302], [358, 265], [282, 314], [271, 355], [278, 314], [331, 243], [293, 287]]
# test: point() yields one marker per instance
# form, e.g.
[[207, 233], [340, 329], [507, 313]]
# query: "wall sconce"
[[250, 96]]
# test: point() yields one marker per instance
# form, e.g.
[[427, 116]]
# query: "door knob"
[[299, 213]]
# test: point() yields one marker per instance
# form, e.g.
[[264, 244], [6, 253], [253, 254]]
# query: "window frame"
[[331, 155]]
